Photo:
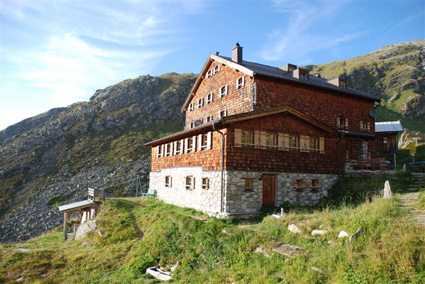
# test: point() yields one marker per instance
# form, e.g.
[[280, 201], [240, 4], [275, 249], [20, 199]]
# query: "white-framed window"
[[271, 140], [191, 125], [191, 107], [314, 144], [222, 113], [168, 149], [178, 147], [190, 144], [304, 76], [210, 98], [209, 118], [205, 183], [364, 126], [204, 141], [159, 151], [223, 91], [240, 82], [200, 102], [190, 182], [209, 73], [216, 69], [168, 181]]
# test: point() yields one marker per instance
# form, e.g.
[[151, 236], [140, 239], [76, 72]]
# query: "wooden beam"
[[65, 225]]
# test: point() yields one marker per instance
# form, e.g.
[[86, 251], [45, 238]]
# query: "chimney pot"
[[237, 53]]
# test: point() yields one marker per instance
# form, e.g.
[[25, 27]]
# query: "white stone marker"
[[387, 190]]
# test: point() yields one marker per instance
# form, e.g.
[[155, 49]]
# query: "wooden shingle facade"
[[257, 136]]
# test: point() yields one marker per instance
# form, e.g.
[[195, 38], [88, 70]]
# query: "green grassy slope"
[[391, 248]]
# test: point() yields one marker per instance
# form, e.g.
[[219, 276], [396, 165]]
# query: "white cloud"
[[295, 41]]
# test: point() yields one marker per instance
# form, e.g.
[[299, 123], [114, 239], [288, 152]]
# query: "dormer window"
[[304, 76], [223, 91], [200, 102], [339, 82], [210, 98], [301, 74], [209, 73], [240, 82], [191, 107], [343, 84], [216, 69]]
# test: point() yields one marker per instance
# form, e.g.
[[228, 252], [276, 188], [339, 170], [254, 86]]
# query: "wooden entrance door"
[[269, 190]]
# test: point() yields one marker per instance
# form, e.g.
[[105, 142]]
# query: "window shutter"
[[209, 136], [368, 126], [311, 185], [163, 150], [338, 122], [286, 142], [346, 123], [199, 142], [157, 151], [302, 144], [280, 141], [193, 182], [171, 148], [175, 147], [320, 184], [307, 143], [294, 185], [256, 139], [238, 137], [361, 125], [322, 144], [171, 182], [263, 139], [193, 144], [186, 144]]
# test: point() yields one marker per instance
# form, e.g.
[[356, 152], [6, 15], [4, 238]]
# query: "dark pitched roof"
[[222, 122], [275, 72]]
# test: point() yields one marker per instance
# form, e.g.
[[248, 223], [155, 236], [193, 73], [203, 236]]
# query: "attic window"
[[342, 84], [209, 73], [210, 98], [191, 125], [216, 69], [342, 123], [240, 82], [304, 76], [209, 118], [200, 102], [223, 113], [223, 91], [191, 107]]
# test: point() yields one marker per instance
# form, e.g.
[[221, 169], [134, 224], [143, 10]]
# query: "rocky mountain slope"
[[54, 157], [395, 72]]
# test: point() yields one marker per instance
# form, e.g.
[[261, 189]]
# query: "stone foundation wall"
[[206, 200], [237, 200]]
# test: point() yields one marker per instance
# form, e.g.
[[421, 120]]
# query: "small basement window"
[[210, 98], [316, 185], [200, 102], [190, 182], [209, 118], [300, 185], [248, 184], [191, 107], [168, 181], [223, 91], [205, 183], [240, 82], [216, 69]]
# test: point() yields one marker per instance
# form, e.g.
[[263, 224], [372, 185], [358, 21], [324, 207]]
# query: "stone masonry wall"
[[207, 200], [241, 201]]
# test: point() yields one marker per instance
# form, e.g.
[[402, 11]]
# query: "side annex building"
[[256, 136]]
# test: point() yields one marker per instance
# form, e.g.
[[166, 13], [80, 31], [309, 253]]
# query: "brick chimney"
[[237, 53]]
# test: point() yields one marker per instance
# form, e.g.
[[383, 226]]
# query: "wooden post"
[[65, 225]]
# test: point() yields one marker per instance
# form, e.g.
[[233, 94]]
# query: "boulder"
[[387, 190], [288, 250], [85, 228], [343, 234], [294, 229], [318, 232]]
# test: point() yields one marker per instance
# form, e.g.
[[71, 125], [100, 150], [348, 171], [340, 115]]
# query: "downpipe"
[[222, 168]]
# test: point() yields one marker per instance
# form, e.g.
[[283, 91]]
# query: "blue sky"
[[54, 53]]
